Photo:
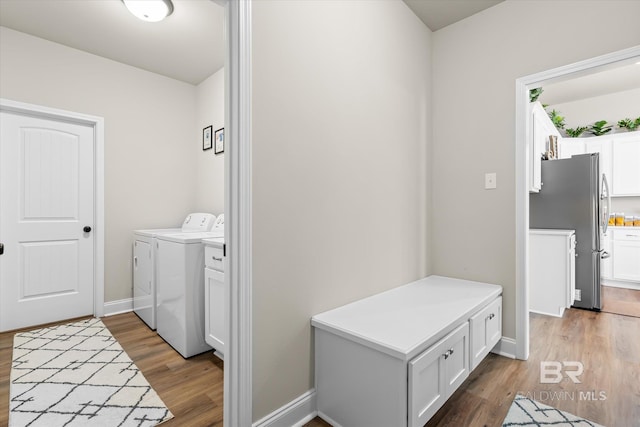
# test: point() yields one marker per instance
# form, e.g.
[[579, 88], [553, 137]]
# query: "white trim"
[[622, 285], [238, 354], [506, 347], [523, 85], [296, 413], [112, 308], [329, 420], [98, 127]]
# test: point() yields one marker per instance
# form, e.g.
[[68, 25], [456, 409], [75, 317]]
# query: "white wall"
[[611, 107], [210, 167], [149, 123], [340, 114], [475, 64]]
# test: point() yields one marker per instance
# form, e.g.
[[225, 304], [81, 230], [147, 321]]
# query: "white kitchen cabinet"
[[437, 373], [541, 127], [626, 254], [602, 146], [485, 331], [571, 147], [394, 358], [215, 296], [552, 264], [626, 164]]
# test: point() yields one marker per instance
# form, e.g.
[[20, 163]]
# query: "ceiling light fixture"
[[149, 10]]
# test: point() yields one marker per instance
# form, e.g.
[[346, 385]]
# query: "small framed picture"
[[219, 141], [206, 138]]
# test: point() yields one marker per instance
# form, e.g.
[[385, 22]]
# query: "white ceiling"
[[187, 46], [437, 14]]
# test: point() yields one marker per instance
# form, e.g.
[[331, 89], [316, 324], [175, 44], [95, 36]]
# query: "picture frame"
[[219, 141], [207, 138]]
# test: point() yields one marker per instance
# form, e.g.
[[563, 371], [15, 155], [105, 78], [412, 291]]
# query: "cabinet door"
[[626, 173], [602, 146], [427, 387], [538, 146], [570, 147], [626, 247], [485, 331], [436, 373], [215, 297], [457, 361]]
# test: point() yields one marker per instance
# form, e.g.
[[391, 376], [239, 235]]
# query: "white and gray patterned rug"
[[78, 375], [525, 412]]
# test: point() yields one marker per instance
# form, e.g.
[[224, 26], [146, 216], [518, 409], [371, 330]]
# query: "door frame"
[[97, 123], [523, 85], [238, 392]]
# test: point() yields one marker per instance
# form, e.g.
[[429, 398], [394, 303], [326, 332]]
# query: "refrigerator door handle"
[[607, 210]]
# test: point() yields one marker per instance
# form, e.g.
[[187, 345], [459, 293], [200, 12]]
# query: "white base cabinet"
[[394, 358], [485, 331], [626, 254], [437, 373], [215, 296], [552, 266]]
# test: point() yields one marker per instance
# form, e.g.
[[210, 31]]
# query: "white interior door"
[[46, 216]]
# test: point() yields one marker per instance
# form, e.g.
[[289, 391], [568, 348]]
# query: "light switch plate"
[[490, 181]]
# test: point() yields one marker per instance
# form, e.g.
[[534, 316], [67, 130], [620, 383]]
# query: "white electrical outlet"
[[578, 294], [490, 181]]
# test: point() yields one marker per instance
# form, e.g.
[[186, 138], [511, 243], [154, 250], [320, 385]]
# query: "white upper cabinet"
[[626, 164], [619, 158], [540, 129], [572, 146], [602, 146]]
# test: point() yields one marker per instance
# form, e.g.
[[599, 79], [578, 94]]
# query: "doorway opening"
[[524, 165]]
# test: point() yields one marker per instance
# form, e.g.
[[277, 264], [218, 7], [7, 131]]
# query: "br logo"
[[552, 372]]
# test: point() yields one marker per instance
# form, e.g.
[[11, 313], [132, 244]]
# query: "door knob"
[[86, 229]]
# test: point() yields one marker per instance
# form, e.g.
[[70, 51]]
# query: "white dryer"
[[180, 290], [145, 260]]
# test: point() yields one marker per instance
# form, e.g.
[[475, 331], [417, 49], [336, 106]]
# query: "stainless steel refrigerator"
[[575, 196]]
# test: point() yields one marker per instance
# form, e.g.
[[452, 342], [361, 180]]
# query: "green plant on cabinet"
[[600, 128], [575, 133], [632, 125]]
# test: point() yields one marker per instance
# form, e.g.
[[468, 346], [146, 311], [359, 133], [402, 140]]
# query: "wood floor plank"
[[621, 301]]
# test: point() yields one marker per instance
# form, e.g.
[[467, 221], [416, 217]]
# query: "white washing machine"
[[145, 261], [180, 290]]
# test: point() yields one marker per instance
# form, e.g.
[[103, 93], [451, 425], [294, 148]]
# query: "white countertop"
[[551, 231], [388, 321], [216, 242]]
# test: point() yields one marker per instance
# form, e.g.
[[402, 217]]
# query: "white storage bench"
[[394, 358]]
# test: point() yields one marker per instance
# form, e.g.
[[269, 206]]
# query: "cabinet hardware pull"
[[447, 354], [216, 259]]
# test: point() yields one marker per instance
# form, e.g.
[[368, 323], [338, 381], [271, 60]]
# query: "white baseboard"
[[506, 347], [294, 414], [624, 285], [117, 307]]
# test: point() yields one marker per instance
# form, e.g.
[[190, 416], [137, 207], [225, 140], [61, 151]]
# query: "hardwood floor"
[[608, 345], [621, 301], [192, 389]]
